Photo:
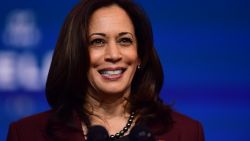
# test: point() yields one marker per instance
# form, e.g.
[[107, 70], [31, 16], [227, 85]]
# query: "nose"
[[113, 53]]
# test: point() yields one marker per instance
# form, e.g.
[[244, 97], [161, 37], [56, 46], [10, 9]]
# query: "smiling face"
[[112, 50]]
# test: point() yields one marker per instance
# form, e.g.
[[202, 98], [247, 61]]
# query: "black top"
[[124, 138]]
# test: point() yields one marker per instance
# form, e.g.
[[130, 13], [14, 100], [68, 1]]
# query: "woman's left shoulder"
[[183, 120], [184, 128]]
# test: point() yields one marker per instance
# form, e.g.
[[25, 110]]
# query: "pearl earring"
[[139, 67]]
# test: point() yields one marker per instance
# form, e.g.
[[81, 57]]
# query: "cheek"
[[92, 74], [94, 61], [132, 57], [94, 57]]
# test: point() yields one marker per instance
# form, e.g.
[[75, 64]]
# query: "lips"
[[112, 73]]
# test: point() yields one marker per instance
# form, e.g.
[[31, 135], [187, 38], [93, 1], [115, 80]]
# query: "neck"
[[108, 110], [107, 106]]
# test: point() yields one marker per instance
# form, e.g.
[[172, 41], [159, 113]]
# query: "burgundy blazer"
[[33, 129]]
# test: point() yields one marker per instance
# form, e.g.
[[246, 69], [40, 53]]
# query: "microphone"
[[141, 133], [97, 133], [137, 133]]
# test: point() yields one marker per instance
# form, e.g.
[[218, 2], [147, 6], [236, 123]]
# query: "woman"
[[105, 71]]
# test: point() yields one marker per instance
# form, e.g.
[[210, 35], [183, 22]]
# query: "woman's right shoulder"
[[33, 121], [29, 128]]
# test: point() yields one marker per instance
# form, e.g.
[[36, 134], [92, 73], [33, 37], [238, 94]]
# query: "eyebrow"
[[103, 34], [124, 33]]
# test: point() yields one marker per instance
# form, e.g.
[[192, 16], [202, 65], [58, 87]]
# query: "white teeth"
[[114, 72]]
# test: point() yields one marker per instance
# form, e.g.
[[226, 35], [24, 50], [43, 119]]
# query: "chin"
[[114, 90]]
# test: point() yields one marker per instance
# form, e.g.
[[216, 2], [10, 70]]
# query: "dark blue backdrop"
[[203, 45]]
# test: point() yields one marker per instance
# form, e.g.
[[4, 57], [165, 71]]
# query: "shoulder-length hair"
[[67, 81]]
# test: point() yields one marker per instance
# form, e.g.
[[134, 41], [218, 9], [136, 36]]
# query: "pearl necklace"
[[125, 129]]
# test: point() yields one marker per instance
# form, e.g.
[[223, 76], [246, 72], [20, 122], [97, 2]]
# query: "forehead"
[[111, 18]]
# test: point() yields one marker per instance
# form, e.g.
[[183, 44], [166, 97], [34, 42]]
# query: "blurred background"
[[204, 47]]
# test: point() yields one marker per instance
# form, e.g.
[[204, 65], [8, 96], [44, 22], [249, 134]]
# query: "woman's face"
[[113, 51]]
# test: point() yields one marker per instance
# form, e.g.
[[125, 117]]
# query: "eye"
[[125, 41], [97, 42]]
